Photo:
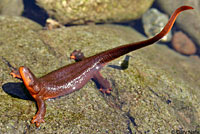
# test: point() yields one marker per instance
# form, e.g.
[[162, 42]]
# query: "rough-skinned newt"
[[72, 77]]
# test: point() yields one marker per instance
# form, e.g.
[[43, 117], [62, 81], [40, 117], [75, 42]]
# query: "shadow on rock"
[[17, 90]]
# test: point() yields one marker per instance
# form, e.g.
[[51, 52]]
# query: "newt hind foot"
[[107, 91]]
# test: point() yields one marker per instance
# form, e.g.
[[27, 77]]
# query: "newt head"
[[30, 81]]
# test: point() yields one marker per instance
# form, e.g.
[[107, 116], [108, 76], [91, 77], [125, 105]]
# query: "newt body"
[[74, 76]]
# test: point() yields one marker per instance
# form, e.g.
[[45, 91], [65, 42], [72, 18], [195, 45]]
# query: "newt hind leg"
[[103, 83], [77, 55]]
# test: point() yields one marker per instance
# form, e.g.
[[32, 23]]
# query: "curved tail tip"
[[186, 7]]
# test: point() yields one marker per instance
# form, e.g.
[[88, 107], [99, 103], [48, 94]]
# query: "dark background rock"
[[101, 11], [34, 12]]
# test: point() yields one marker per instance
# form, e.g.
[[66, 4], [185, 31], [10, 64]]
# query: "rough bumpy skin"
[[74, 76]]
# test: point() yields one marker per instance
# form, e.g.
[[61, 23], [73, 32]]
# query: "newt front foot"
[[37, 120], [15, 73]]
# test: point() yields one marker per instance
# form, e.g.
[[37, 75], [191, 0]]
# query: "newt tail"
[[112, 54]]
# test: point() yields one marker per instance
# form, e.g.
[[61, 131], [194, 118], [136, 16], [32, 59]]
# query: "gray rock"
[[153, 22], [189, 21], [11, 7], [86, 11], [158, 92]]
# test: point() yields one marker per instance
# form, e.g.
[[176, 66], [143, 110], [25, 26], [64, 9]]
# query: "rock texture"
[[189, 21], [11, 7], [86, 11], [157, 93]]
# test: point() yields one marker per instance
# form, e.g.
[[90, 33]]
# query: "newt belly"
[[74, 76]]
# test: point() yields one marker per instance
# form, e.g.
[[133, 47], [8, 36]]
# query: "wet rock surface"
[[87, 11], [157, 93]]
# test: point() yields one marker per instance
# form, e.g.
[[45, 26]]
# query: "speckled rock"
[[11, 7], [189, 21], [86, 11], [182, 44], [157, 93]]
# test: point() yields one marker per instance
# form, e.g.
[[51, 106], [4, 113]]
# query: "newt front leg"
[[39, 117], [33, 86], [15, 73]]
